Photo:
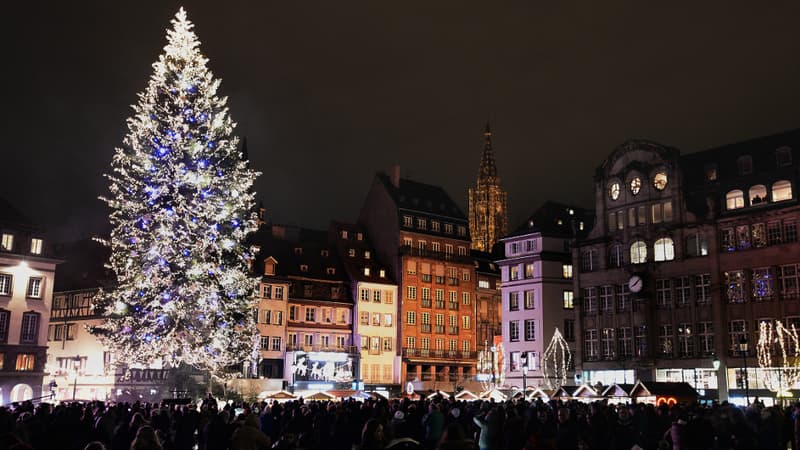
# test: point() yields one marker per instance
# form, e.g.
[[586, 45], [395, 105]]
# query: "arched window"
[[664, 250], [781, 190], [758, 194], [745, 164], [638, 252], [734, 199]]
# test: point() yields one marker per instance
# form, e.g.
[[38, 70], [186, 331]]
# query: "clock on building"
[[635, 283]]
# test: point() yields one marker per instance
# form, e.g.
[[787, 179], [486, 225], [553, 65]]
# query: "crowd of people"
[[379, 424]]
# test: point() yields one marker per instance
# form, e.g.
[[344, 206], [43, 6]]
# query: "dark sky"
[[328, 92]]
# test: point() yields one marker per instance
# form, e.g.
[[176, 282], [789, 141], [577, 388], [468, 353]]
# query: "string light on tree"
[[778, 352], [181, 205], [556, 361]]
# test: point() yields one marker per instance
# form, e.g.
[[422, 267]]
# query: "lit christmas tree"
[[556, 361], [181, 205]]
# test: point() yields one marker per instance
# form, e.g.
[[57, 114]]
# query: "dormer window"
[[8, 242], [269, 266], [344, 234], [408, 221], [711, 172], [303, 268], [324, 253], [366, 254], [351, 252], [330, 271], [359, 236], [462, 230], [382, 273], [36, 246], [298, 250], [434, 225], [783, 156], [745, 164], [366, 271], [422, 224], [448, 228]]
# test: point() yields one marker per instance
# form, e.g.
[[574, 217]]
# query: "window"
[[616, 255], [569, 330], [621, 219], [5, 317], [612, 221], [636, 185], [661, 212], [5, 284], [758, 233], [711, 172], [376, 296], [757, 194], [631, 217], [382, 273], [640, 212], [411, 292], [36, 246], [513, 301], [589, 260], [697, 245], [466, 299], [341, 340], [664, 250], [387, 344], [736, 329], [623, 297], [590, 344], [530, 299], [411, 341], [266, 317], [660, 181], [568, 299], [462, 251], [529, 270], [264, 342], [781, 191], [7, 242], [514, 273], [465, 322], [366, 271], [638, 252], [789, 280], [640, 341], [783, 156], [308, 340], [30, 328], [278, 293], [566, 271], [25, 362], [665, 340], [702, 288], [277, 317], [462, 230], [683, 292], [448, 228], [744, 164], [407, 242], [465, 346], [705, 334], [376, 319], [411, 317], [34, 287], [387, 320], [408, 221], [422, 223], [291, 340], [293, 312], [513, 330], [608, 343], [685, 340], [266, 291], [607, 299], [734, 199], [363, 294], [613, 190], [483, 284], [434, 225], [530, 330], [590, 300], [276, 344], [727, 239], [763, 284], [734, 286], [664, 293], [311, 314], [363, 317], [743, 237]]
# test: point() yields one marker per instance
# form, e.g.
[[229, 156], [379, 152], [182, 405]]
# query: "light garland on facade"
[[778, 352], [556, 360]]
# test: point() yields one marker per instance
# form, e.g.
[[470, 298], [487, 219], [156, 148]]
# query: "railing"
[[425, 253], [322, 348], [452, 281], [452, 330], [439, 329], [439, 304], [453, 305], [426, 302], [426, 328], [439, 279], [440, 354], [426, 277]]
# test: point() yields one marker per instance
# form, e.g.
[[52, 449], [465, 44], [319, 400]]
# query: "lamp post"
[[524, 361], [76, 366], [743, 351], [494, 379]]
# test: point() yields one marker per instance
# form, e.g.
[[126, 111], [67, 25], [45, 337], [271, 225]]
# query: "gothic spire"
[[488, 169]]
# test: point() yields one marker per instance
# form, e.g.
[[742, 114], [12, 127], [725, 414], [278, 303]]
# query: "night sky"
[[329, 92]]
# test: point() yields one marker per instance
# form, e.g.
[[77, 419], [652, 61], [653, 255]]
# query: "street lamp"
[[494, 379], [743, 351], [76, 366]]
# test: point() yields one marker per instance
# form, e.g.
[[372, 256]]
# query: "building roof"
[[421, 197], [485, 262], [554, 219], [363, 255], [653, 388]]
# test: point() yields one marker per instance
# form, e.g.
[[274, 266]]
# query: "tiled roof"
[[426, 198], [554, 219]]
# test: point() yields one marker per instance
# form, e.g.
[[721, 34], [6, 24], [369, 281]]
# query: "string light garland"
[[556, 361], [778, 345], [181, 205]]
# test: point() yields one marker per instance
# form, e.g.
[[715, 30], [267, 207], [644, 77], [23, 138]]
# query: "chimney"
[[394, 175]]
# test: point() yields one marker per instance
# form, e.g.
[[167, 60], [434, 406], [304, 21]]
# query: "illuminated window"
[[711, 172], [411, 317], [411, 292], [613, 190], [366, 271], [465, 298], [276, 344], [25, 362], [465, 322], [483, 284], [664, 250], [36, 246], [696, 245], [660, 181], [34, 287], [8, 242], [5, 284], [758, 194], [638, 252], [448, 228], [422, 224], [569, 300], [636, 185], [408, 221], [359, 236], [781, 190], [434, 225], [566, 271]]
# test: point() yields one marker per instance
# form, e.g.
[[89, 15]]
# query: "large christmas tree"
[[181, 205]]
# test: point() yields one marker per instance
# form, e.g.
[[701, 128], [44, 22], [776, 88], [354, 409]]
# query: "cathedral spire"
[[488, 168]]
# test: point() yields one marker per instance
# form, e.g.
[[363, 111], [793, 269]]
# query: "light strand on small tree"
[[778, 345], [556, 361]]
